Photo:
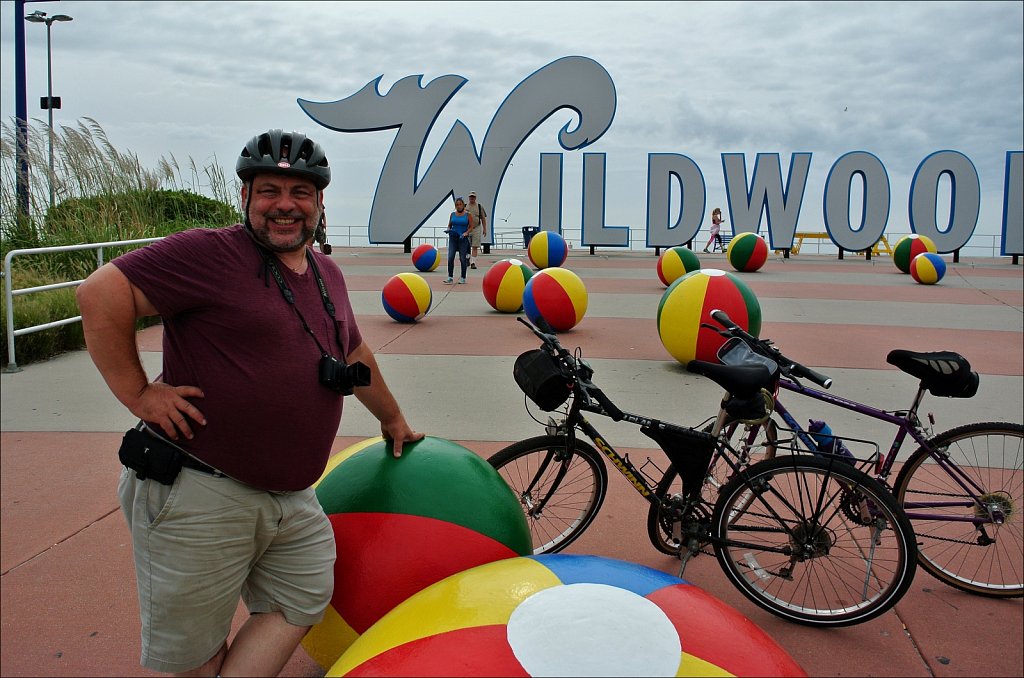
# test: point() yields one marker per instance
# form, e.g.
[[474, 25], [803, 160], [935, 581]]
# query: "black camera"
[[340, 377]]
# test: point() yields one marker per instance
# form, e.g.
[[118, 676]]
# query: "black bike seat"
[[943, 373], [740, 380]]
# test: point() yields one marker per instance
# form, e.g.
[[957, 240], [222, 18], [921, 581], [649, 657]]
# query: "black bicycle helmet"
[[283, 152]]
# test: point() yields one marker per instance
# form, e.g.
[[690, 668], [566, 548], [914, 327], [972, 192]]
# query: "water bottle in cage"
[[826, 441]]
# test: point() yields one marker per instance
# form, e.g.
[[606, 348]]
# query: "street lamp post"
[[50, 102]]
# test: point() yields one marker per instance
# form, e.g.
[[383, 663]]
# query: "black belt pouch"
[[150, 457]]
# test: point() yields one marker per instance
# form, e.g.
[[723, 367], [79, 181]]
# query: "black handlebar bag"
[[541, 379]]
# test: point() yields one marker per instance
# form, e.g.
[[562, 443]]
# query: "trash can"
[[528, 233]]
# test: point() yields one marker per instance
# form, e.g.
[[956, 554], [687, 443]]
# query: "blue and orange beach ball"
[[927, 268], [426, 257], [547, 249], [556, 296]]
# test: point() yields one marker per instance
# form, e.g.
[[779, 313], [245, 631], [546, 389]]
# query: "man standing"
[[260, 345], [479, 214]]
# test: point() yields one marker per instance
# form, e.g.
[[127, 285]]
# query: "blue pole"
[[21, 108]]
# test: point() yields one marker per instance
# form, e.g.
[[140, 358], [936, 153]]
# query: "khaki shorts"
[[474, 237], [203, 540]]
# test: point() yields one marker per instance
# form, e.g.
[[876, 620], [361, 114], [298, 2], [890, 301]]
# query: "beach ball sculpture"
[[557, 296], [688, 302], [406, 297], [747, 252], [927, 268], [676, 262], [564, 615], [426, 257], [403, 524], [547, 249], [908, 247], [504, 283]]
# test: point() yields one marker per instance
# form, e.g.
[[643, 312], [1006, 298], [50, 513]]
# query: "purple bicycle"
[[961, 489]]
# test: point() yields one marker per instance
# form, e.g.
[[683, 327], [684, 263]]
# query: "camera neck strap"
[[289, 296]]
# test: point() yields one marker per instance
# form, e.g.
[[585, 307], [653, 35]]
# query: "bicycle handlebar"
[[765, 347]]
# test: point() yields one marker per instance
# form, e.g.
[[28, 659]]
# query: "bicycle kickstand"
[[692, 547]]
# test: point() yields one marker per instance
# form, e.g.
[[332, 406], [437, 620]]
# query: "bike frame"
[[907, 425]]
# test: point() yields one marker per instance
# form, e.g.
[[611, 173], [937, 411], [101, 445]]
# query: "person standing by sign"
[[460, 227], [716, 227], [260, 346], [479, 214]]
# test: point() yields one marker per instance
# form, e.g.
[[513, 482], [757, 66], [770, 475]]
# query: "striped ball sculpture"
[[556, 296], [401, 525], [547, 249], [426, 257], [676, 262], [406, 297], [688, 302], [927, 268], [747, 252], [504, 283], [564, 615], [908, 247]]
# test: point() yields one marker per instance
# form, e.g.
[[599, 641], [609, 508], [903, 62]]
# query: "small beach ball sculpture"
[[547, 249], [747, 252], [426, 257], [403, 524], [556, 295], [908, 247], [676, 262], [688, 302], [406, 297], [504, 283], [564, 615], [927, 268]]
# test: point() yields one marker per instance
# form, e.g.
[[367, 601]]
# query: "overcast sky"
[[899, 80]]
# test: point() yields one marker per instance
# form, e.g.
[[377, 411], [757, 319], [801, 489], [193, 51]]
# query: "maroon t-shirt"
[[229, 331]]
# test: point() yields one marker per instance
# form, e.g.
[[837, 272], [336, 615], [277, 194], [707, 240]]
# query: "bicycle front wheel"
[[560, 490], [814, 541], [969, 529]]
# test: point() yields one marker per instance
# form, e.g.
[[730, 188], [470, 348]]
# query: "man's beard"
[[262, 235]]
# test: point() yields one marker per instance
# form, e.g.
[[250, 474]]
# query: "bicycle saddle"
[[942, 373], [744, 381]]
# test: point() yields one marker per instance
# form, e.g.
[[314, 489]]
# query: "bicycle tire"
[[844, 570], [950, 551], [753, 442], [573, 503]]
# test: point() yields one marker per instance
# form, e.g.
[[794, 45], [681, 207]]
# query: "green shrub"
[[40, 308]]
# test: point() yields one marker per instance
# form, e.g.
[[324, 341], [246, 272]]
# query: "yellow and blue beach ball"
[[927, 268], [676, 262], [688, 303], [426, 257], [908, 247], [504, 284], [556, 295], [406, 297], [564, 615], [547, 249], [403, 524], [747, 252]]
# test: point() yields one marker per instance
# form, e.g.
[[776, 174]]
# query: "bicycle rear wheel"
[[814, 541], [966, 545], [753, 443], [560, 490]]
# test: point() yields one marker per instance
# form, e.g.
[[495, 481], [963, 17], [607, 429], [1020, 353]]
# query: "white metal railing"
[[10, 293]]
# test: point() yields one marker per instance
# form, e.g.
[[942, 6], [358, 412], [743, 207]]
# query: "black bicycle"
[[810, 539]]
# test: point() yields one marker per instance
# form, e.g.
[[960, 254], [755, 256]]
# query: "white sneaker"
[[448, 281]]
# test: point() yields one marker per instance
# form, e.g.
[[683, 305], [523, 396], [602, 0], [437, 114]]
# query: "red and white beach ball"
[[747, 252], [426, 257], [547, 249], [403, 524], [927, 268], [556, 295], [406, 297], [908, 247], [676, 262], [564, 615], [688, 302], [504, 284]]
